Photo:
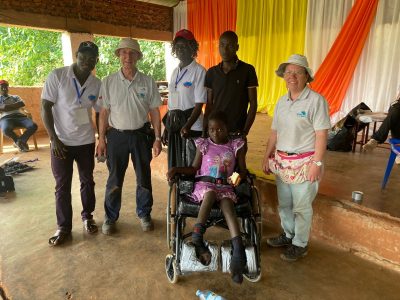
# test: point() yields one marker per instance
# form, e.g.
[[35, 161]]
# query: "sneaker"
[[371, 145], [294, 252], [22, 146], [147, 223], [108, 227], [90, 226], [279, 241]]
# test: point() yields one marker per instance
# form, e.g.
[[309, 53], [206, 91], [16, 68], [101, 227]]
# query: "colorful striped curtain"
[[269, 32], [207, 19], [334, 75]]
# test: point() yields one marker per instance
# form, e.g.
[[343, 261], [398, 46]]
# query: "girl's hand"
[[265, 165], [171, 174]]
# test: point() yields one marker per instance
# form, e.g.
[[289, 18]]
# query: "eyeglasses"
[[288, 73]]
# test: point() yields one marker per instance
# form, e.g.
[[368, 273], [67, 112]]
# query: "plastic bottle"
[[208, 295]]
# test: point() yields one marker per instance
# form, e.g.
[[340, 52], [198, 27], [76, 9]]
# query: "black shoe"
[[294, 252], [279, 241], [22, 146]]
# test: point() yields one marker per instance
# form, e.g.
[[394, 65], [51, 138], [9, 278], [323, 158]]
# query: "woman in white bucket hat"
[[294, 154]]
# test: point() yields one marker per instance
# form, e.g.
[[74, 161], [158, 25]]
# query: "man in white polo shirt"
[[127, 98], [68, 97]]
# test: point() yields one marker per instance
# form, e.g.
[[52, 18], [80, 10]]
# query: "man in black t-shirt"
[[231, 87]]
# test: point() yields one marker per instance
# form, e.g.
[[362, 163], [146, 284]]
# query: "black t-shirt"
[[230, 92]]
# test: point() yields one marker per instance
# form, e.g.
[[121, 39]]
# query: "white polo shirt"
[[71, 113], [129, 102], [296, 121], [186, 88]]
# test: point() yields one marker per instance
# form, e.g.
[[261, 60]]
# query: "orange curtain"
[[207, 19], [336, 71]]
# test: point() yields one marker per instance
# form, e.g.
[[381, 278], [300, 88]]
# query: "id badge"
[[82, 116], [173, 100]]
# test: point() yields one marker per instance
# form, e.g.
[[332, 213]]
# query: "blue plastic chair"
[[395, 150]]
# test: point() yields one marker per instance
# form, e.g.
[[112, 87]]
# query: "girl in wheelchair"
[[213, 166]]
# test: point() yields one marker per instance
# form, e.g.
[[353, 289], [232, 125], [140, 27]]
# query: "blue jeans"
[[62, 172], [8, 123], [121, 145], [295, 209]]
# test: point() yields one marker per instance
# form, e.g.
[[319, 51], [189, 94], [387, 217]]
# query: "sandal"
[[203, 254], [59, 237], [237, 267], [90, 226]]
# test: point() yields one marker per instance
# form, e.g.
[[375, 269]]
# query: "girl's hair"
[[218, 116], [193, 46]]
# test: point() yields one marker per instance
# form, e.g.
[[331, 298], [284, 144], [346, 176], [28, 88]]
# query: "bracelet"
[[158, 138]]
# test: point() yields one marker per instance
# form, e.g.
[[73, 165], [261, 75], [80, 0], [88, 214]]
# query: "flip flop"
[[58, 238]]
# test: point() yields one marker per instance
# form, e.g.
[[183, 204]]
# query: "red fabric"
[[336, 71], [208, 19]]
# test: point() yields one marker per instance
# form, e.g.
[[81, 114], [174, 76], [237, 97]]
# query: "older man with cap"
[[68, 98], [11, 117], [187, 95], [294, 153], [127, 98]]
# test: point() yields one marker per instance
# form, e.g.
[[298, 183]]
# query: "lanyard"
[[180, 78], [77, 92]]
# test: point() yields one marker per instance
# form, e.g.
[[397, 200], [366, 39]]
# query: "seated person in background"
[[213, 166], [11, 117], [390, 123]]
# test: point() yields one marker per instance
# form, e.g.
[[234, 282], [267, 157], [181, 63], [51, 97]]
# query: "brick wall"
[[124, 13]]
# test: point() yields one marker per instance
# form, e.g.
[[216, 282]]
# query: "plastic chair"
[[395, 150]]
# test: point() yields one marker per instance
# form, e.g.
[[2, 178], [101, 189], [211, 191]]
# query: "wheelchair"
[[182, 260]]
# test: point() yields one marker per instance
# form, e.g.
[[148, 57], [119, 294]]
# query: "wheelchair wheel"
[[255, 239], [170, 268], [253, 278], [170, 217]]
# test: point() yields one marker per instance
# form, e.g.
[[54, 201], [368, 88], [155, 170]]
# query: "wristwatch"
[[317, 162]]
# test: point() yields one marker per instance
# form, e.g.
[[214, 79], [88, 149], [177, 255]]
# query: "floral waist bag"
[[291, 168]]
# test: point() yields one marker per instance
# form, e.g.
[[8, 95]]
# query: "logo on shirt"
[[92, 97], [302, 114], [187, 84]]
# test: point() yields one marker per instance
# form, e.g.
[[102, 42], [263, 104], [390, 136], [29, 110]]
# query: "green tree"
[[152, 63], [27, 56]]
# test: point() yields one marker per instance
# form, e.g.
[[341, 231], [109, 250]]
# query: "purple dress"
[[218, 161]]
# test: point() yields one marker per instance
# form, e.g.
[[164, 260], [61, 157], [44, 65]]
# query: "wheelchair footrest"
[[226, 254], [190, 263]]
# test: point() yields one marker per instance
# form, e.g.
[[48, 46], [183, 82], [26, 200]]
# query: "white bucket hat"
[[129, 43], [298, 60]]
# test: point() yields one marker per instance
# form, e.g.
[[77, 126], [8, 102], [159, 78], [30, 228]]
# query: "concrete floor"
[[130, 265]]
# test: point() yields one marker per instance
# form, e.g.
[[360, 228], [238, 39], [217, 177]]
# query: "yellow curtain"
[[269, 32]]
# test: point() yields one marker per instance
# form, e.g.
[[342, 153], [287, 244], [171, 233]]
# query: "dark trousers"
[[181, 152], [391, 123], [62, 171], [8, 123], [121, 145]]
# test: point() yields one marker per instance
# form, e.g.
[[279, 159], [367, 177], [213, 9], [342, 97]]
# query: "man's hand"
[[101, 149], [58, 148], [156, 148]]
